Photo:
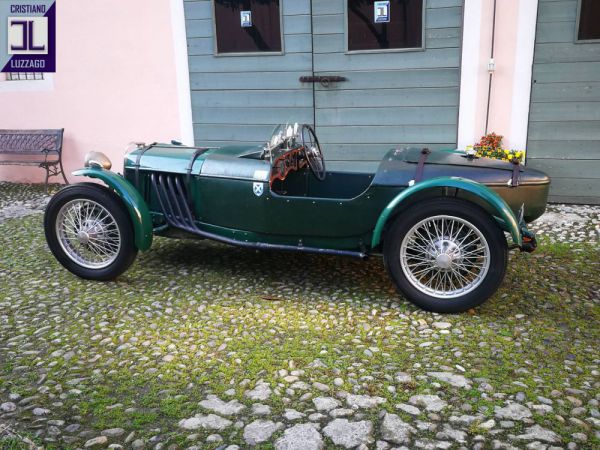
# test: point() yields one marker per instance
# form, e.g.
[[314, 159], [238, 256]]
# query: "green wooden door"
[[240, 97], [564, 124], [391, 97]]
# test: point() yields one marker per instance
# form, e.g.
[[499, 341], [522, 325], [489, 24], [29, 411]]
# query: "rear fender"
[[135, 204], [502, 213]]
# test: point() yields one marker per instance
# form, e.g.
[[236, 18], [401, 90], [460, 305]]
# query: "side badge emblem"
[[258, 189]]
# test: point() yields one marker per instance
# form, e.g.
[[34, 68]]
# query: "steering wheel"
[[313, 152]]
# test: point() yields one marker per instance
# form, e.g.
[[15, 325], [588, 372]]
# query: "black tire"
[[452, 207], [108, 200]]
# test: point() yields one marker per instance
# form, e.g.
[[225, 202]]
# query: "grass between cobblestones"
[[192, 318]]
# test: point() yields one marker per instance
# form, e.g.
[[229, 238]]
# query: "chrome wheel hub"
[[83, 238], [445, 256], [443, 262], [445, 253], [88, 233]]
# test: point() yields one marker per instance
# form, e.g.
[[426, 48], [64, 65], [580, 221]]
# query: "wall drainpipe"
[[491, 69]]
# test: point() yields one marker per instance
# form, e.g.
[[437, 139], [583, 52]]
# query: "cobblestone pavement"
[[202, 346]]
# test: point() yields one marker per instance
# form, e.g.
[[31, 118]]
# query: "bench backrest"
[[30, 142]]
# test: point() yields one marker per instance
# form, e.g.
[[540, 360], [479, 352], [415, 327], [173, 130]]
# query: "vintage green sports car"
[[438, 217]]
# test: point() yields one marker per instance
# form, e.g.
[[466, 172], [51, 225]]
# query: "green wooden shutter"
[[564, 122]]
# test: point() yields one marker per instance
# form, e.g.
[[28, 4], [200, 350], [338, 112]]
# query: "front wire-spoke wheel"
[[89, 231], [445, 254]]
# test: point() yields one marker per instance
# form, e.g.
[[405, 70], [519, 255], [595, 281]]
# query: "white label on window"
[[246, 18], [382, 12]]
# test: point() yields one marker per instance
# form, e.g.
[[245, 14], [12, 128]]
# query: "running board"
[[172, 198]]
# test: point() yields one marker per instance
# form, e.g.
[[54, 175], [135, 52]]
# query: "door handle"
[[325, 80]]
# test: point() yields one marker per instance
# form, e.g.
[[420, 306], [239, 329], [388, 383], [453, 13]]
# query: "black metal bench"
[[42, 148]]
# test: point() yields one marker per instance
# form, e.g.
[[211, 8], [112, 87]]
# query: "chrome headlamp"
[[97, 159]]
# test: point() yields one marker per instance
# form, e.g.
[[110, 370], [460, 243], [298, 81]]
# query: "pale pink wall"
[[504, 56], [115, 83], [485, 47], [511, 83], [507, 13]]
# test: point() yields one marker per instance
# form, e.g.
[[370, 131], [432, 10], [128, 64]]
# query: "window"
[[248, 26], [20, 76], [382, 25], [589, 20]]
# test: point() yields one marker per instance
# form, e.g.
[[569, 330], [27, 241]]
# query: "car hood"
[[177, 158]]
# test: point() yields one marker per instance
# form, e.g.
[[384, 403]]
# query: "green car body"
[[232, 199], [440, 219]]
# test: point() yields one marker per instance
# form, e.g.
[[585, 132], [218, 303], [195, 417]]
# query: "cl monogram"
[[27, 27]]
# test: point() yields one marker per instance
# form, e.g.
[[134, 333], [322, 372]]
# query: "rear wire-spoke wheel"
[[446, 254], [89, 231]]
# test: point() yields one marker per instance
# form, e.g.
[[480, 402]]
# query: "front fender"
[[136, 206], [507, 221]]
